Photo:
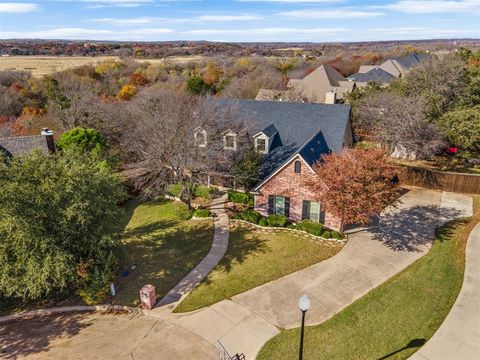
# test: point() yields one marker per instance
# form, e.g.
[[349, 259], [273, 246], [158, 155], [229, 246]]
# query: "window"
[[201, 138], [313, 211], [230, 141], [298, 167], [261, 145], [279, 205]]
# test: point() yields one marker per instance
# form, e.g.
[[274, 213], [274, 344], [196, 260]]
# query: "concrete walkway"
[[244, 323], [459, 336], [216, 253]]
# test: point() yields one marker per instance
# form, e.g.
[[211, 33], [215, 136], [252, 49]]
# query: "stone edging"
[[202, 218], [304, 233], [69, 309]]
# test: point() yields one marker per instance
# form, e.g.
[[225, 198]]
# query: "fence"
[[447, 181]]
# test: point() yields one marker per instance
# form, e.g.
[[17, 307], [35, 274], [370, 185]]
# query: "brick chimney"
[[49, 138]]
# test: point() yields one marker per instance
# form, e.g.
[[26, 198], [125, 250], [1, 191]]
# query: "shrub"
[[238, 216], [327, 235], [202, 213], [183, 213], [263, 221], [251, 216], [277, 220], [311, 227], [174, 189], [203, 192], [237, 197], [337, 235]]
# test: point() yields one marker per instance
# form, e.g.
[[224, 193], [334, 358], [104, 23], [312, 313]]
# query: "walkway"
[[459, 336], [216, 253], [244, 323]]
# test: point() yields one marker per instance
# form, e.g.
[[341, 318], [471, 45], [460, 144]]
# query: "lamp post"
[[304, 305]]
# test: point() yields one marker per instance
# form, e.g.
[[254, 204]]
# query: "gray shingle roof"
[[19, 145], [411, 59], [376, 74], [300, 127]]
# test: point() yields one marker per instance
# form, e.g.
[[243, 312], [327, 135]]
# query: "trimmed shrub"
[[276, 220], [327, 235], [251, 216], [203, 192], [337, 235], [310, 227], [263, 221], [291, 226], [202, 213], [237, 197]]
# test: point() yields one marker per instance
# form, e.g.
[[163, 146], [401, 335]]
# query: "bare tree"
[[175, 137]]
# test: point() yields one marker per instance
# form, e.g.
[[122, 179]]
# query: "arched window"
[[298, 167]]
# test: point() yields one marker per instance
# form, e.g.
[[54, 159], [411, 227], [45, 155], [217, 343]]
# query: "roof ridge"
[[21, 137]]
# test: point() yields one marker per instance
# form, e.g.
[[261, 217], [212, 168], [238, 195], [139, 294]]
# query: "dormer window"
[[230, 140], [261, 143], [201, 138]]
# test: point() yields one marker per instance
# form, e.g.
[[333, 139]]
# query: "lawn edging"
[[106, 308], [301, 232]]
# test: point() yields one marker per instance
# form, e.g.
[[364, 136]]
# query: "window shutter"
[[271, 200], [322, 214], [287, 207], [305, 209]]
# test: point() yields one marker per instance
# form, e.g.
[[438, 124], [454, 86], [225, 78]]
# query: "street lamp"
[[304, 305]]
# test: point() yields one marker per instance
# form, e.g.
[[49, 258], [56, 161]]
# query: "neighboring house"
[[398, 66], [292, 137], [20, 145], [376, 74]]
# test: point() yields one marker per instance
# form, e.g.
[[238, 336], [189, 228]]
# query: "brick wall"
[[290, 184]]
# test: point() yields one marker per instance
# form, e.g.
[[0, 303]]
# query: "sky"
[[240, 20]]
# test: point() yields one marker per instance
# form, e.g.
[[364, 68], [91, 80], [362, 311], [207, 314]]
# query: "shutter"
[[322, 214], [271, 200], [287, 207], [305, 209]]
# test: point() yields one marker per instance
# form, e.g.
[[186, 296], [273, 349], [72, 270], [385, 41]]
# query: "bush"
[[174, 189], [183, 213], [237, 197], [277, 220], [202, 213], [203, 192], [337, 235], [327, 235], [310, 227], [251, 216], [263, 221], [238, 216]]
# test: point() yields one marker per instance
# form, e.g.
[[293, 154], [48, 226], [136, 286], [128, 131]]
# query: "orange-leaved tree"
[[355, 184]]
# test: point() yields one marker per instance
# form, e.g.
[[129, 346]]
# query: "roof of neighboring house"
[[269, 94], [302, 128], [412, 59], [377, 74], [366, 68], [19, 145]]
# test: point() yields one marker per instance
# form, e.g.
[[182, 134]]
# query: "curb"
[[69, 309]]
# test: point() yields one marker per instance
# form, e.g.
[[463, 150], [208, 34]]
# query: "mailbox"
[[148, 296]]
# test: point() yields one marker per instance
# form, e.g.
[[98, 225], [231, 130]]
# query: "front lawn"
[[395, 319], [163, 246], [253, 258]]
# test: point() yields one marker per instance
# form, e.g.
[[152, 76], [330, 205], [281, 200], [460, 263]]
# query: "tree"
[[127, 92], [160, 143], [462, 128], [57, 219], [355, 185], [197, 86], [83, 139], [247, 167]]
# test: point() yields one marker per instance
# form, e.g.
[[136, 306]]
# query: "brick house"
[[292, 137]]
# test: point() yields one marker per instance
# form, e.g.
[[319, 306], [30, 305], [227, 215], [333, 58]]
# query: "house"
[[377, 75], [397, 67], [292, 137], [20, 145], [324, 85]]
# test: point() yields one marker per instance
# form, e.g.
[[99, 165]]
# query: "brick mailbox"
[[148, 296]]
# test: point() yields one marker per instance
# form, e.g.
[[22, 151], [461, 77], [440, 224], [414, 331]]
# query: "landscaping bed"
[[395, 319], [255, 257]]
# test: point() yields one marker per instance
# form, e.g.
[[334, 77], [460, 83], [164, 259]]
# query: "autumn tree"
[[127, 92], [355, 185]]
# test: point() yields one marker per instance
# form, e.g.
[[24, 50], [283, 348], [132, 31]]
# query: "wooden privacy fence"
[[447, 181]]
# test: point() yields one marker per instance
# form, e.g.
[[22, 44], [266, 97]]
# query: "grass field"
[[253, 258], [395, 319], [162, 245], [44, 65]]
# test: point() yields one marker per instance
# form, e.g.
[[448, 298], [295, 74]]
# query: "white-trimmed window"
[[230, 140], [261, 143], [201, 138], [312, 210]]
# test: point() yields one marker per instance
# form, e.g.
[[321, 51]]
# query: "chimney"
[[330, 97], [49, 137]]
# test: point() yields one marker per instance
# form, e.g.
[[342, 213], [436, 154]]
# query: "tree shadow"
[[412, 344], [22, 338], [412, 228]]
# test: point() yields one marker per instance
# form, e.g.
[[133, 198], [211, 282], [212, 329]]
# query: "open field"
[[44, 65]]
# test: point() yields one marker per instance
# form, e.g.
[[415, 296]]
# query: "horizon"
[[240, 21]]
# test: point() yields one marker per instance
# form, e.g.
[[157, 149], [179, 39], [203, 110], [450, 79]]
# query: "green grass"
[[164, 247], [393, 320], [255, 257]]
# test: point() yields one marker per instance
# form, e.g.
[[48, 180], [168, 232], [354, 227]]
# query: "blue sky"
[[240, 20]]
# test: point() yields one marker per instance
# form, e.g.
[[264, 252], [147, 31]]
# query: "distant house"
[[20, 145], [324, 85], [292, 137], [378, 75]]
